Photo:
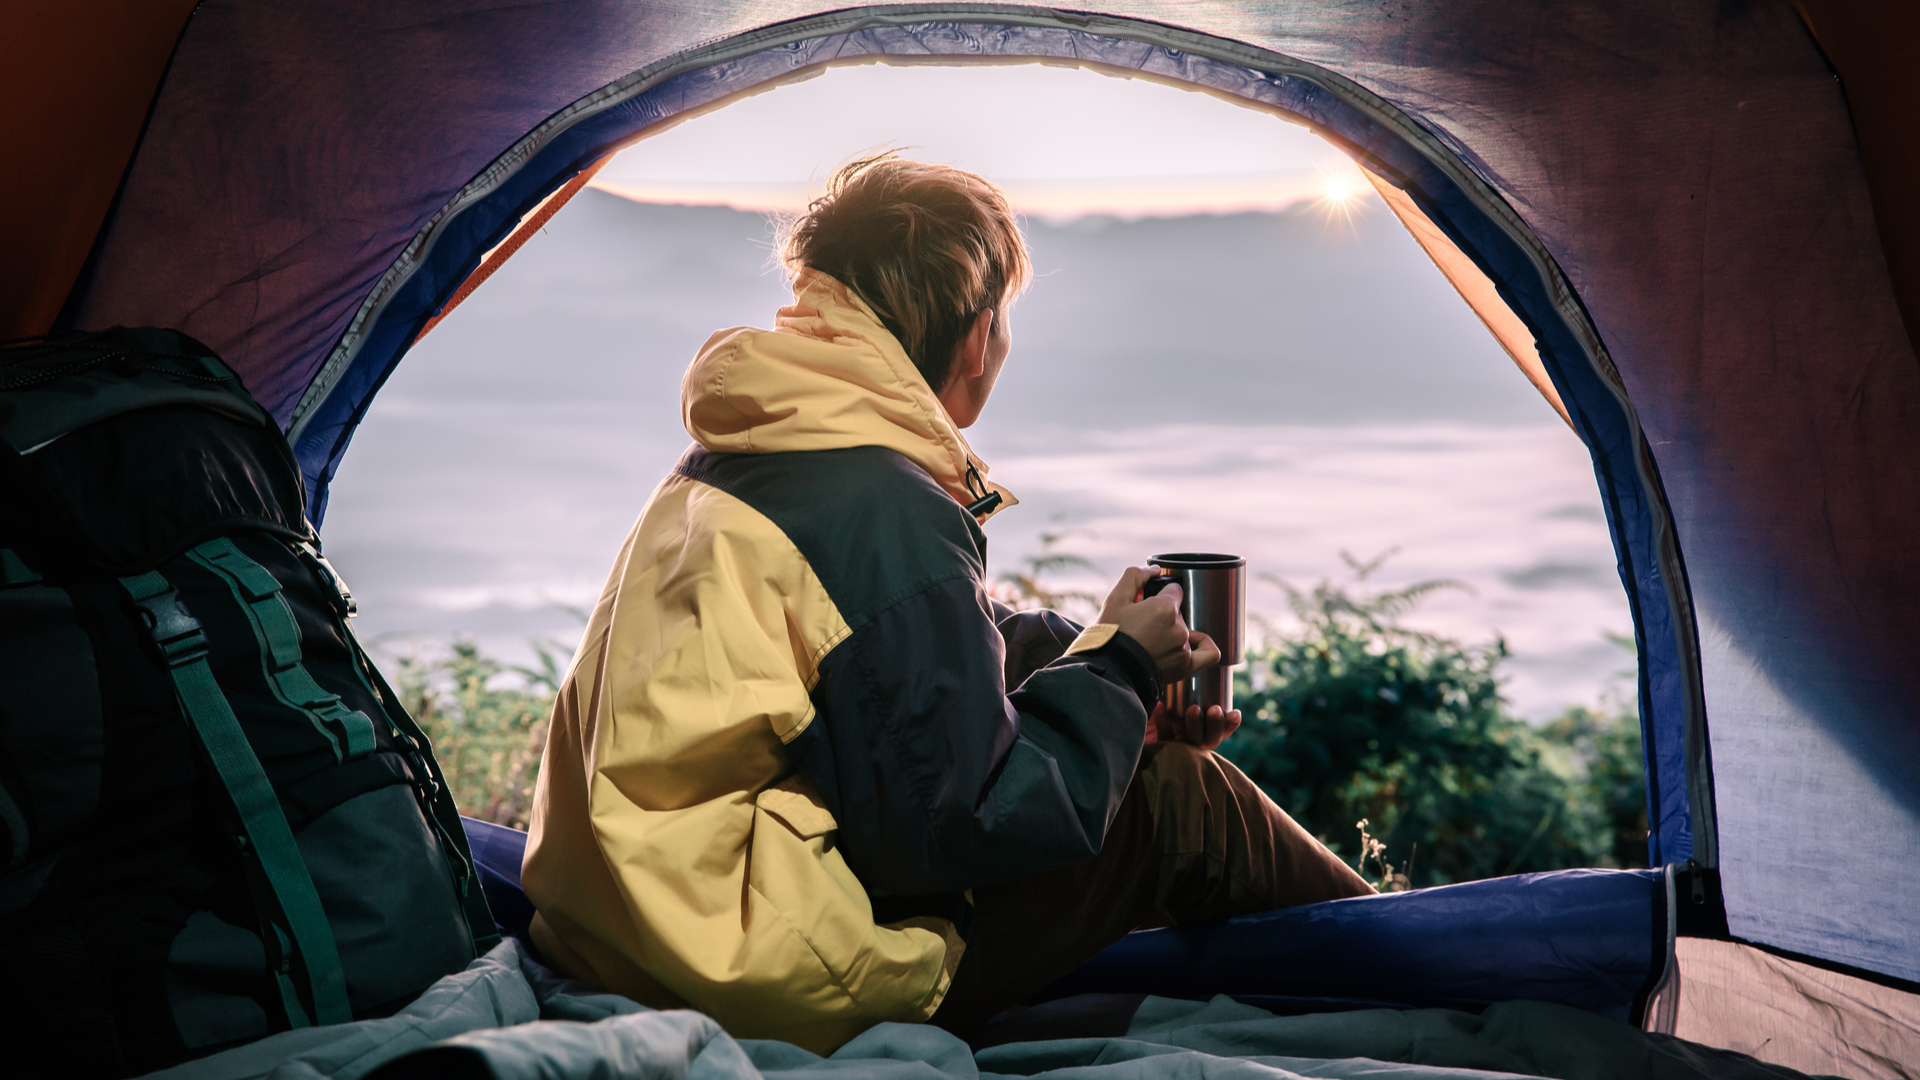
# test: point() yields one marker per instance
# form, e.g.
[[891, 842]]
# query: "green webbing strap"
[[258, 592], [177, 636], [429, 783]]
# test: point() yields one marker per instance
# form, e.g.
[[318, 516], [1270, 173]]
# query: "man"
[[803, 774]]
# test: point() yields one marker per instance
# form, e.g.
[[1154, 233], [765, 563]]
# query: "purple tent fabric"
[[1690, 169]]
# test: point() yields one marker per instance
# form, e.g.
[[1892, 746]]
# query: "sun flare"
[[1340, 189], [1340, 186]]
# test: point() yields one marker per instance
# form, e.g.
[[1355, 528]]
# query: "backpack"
[[216, 820]]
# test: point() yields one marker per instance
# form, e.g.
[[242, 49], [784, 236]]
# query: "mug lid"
[[1196, 560]]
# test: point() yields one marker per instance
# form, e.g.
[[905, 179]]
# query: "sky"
[[1288, 378], [1103, 144]]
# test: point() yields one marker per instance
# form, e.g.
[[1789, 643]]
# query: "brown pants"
[[1194, 841]]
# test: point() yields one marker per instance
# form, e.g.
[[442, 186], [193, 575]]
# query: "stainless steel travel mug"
[[1213, 601]]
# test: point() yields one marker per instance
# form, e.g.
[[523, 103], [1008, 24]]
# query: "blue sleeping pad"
[[1593, 939]]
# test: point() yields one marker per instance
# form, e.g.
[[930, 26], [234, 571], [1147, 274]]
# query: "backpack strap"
[[430, 785], [258, 593], [182, 644]]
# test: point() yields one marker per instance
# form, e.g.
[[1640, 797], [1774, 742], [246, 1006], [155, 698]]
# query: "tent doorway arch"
[[1492, 256]]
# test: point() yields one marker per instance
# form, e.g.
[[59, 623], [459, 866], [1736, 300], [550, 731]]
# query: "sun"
[[1340, 186], [1340, 189]]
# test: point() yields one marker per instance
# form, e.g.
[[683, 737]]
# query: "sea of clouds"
[[1285, 386]]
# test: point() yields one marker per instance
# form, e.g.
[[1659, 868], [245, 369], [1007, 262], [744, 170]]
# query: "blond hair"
[[928, 247]]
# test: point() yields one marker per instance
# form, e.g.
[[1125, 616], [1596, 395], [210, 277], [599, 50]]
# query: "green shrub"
[[1025, 589], [488, 739], [1610, 780], [1356, 718]]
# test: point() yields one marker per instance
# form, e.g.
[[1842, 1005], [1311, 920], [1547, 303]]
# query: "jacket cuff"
[[1092, 637], [1136, 664]]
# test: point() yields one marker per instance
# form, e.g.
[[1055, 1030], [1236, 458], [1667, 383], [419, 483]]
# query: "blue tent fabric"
[[1667, 193]]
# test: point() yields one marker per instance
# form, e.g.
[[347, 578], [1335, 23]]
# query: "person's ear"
[[972, 361]]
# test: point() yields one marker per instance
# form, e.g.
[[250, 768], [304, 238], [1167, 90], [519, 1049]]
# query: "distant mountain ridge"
[[1244, 318]]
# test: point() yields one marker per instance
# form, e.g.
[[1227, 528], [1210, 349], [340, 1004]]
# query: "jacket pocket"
[[897, 973], [792, 801]]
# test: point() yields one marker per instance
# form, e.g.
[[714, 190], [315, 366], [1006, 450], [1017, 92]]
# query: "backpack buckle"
[[176, 635]]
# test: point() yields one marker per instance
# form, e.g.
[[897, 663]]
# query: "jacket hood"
[[826, 377]]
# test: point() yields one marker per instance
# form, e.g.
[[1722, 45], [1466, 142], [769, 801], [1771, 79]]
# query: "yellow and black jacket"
[[787, 746]]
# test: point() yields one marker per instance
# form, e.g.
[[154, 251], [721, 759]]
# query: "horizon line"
[[1049, 200]]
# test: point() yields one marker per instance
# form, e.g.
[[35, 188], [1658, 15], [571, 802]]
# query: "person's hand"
[[1155, 623], [1206, 732]]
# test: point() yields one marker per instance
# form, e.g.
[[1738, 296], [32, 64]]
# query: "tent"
[[1682, 219]]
